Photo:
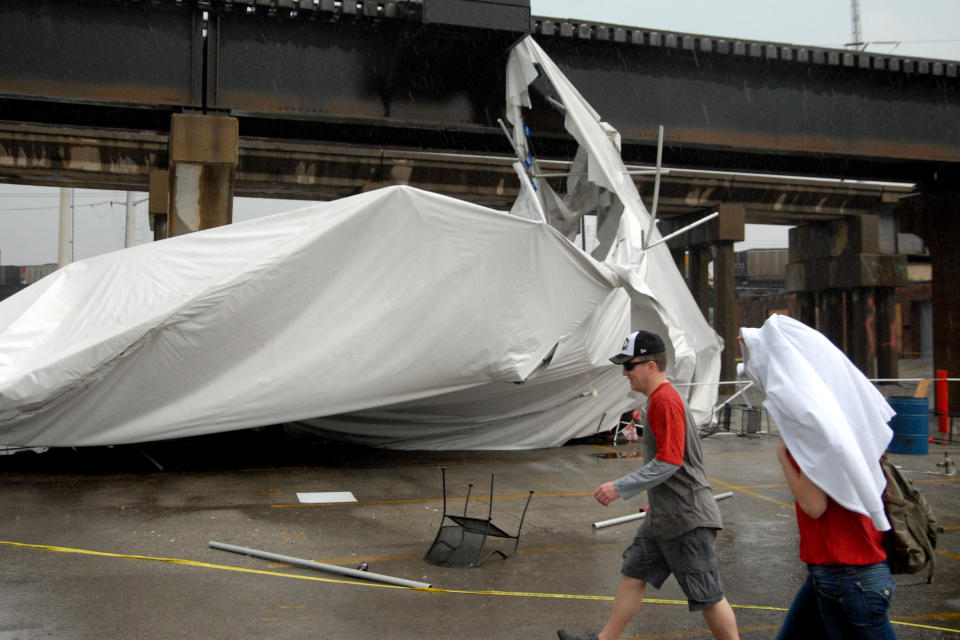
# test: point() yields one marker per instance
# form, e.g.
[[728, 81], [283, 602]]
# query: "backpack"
[[913, 535]]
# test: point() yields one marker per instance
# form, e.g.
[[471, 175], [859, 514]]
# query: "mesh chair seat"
[[464, 543]]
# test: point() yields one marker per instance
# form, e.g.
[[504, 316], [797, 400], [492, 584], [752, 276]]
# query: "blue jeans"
[[842, 603]]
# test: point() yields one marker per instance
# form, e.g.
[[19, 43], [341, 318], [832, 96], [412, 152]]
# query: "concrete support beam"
[[699, 280], [807, 308], [121, 159], [725, 321], [932, 216], [680, 259], [729, 226], [832, 317], [887, 364], [861, 325], [717, 237], [843, 263], [204, 151], [158, 204]]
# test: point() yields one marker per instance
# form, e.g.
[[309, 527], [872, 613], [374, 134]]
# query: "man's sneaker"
[[566, 635]]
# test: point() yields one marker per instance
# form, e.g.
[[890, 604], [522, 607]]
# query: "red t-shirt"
[[666, 419], [838, 537]]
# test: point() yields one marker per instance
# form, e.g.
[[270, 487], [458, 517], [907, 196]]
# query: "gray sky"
[[920, 28]]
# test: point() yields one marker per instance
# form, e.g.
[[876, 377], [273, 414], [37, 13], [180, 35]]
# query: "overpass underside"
[[319, 100]]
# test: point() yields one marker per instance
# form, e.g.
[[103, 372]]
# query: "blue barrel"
[[911, 425]]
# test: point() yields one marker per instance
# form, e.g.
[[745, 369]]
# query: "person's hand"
[[606, 494]]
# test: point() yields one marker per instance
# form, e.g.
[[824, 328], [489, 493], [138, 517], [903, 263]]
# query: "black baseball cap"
[[639, 343]]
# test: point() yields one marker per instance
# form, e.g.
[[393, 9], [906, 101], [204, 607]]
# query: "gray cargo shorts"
[[690, 557]]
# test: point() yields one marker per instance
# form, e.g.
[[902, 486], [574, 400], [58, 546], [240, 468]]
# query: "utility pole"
[[857, 34]]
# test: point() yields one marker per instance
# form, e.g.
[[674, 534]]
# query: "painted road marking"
[[498, 593]]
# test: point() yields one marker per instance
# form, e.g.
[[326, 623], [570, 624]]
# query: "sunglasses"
[[629, 364]]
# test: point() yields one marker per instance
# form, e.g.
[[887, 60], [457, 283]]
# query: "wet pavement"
[[101, 543]]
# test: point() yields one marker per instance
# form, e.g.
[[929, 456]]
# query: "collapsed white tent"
[[396, 318]]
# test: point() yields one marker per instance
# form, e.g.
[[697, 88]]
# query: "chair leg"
[[516, 542]]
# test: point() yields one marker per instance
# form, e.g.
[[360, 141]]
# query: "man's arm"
[[649, 475]]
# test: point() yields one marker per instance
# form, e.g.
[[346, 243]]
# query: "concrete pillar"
[[832, 316], [861, 325], [679, 256], [932, 215], [945, 259], [716, 236], [158, 205], [843, 262], [807, 308], [730, 228], [887, 364], [725, 312], [699, 280], [204, 150]]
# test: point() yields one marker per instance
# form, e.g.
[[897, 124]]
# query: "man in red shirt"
[[677, 536]]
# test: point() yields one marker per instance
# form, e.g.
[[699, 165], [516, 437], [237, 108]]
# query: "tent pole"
[[309, 564], [656, 187]]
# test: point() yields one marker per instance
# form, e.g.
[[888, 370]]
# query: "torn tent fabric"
[[833, 420], [661, 301]]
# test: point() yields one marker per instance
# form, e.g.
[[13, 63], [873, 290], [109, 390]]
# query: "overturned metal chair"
[[464, 542]]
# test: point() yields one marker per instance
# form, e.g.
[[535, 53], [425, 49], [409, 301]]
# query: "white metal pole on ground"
[[65, 246], [643, 514], [131, 222], [320, 566]]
